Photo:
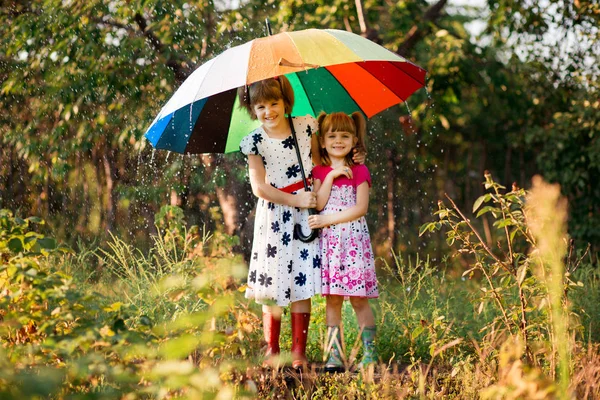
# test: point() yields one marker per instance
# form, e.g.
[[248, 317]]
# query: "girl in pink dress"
[[347, 267]]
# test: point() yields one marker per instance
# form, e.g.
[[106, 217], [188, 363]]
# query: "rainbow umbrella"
[[330, 70]]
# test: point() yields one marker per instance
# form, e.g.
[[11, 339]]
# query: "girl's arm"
[[263, 190], [351, 214]]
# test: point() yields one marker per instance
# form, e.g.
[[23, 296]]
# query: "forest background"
[[512, 88]]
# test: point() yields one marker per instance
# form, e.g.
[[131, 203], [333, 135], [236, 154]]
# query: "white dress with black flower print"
[[282, 268]]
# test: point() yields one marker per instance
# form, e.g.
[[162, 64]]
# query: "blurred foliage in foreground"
[[173, 322]]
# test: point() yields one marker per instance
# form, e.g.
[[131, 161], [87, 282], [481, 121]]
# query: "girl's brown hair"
[[342, 122], [266, 90]]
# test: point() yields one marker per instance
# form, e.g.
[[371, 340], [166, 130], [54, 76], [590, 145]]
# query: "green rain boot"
[[369, 353], [333, 346]]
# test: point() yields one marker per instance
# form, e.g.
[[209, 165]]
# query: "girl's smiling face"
[[338, 144], [270, 113]]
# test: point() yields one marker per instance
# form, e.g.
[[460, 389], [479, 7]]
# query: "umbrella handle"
[[313, 234]]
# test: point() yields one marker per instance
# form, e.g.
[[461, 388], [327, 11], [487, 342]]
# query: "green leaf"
[[20, 221], [480, 201], [416, 332], [119, 325], [114, 307], [503, 222], [35, 220], [15, 244], [487, 209], [47, 243], [179, 347]]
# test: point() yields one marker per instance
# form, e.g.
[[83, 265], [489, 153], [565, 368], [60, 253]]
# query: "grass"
[[172, 322]]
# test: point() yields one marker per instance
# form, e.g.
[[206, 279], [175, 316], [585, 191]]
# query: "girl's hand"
[[359, 156], [317, 221], [306, 199], [339, 171]]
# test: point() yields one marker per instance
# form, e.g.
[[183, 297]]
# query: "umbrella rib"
[[296, 49], [380, 81], [345, 90], [397, 66]]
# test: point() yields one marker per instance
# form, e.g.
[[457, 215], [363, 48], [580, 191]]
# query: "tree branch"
[[365, 30], [416, 33], [181, 68], [362, 21], [485, 247]]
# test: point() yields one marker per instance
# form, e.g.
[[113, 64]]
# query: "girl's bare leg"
[[275, 311], [301, 306], [334, 310], [364, 314]]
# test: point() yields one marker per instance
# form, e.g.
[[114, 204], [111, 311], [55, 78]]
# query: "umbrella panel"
[[217, 124]]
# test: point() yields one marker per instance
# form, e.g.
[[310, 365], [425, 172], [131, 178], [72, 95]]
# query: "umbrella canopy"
[[330, 70]]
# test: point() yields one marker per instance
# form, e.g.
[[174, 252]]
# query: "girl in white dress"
[[283, 270]]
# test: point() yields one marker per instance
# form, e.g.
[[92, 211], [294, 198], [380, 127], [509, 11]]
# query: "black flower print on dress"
[[309, 131], [300, 279], [288, 143], [274, 270], [293, 171], [304, 254], [271, 250], [317, 262], [287, 215], [265, 280], [275, 226]]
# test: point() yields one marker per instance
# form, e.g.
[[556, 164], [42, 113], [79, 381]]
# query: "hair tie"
[[276, 78]]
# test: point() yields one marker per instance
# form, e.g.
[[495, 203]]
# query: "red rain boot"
[[271, 330], [300, 322]]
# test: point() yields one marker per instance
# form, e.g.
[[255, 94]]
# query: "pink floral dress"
[[347, 267]]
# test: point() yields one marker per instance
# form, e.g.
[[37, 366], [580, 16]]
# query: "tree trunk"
[[482, 164], [234, 198], [522, 178], [85, 209], [467, 200], [391, 197], [507, 167], [109, 176], [11, 170]]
